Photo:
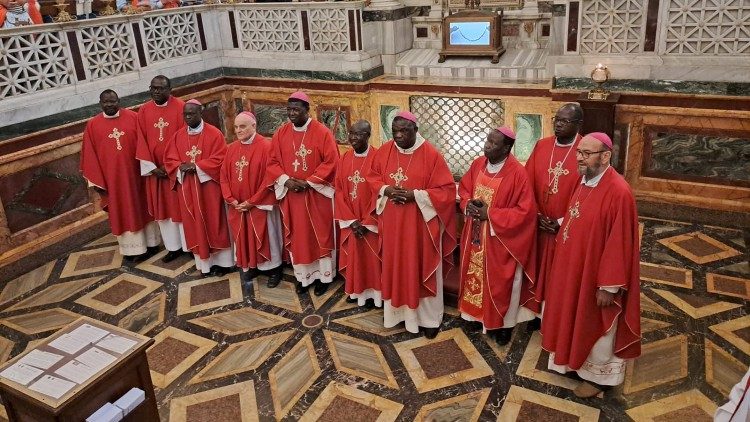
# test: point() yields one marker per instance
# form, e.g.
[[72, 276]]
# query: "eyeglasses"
[[564, 121], [587, 154], [158, 88]]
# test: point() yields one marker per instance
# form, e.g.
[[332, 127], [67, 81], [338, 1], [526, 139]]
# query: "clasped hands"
[[241, 207], [188, 168], [160, 172], [296, 185], [399, 196], [358, 229], [477, 209], [548, 224]]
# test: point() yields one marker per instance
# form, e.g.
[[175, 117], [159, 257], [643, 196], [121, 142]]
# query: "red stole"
[[201, 204], [359, 259], [488, 268], [108, 161], [307, 215], [156, 127], [410, 247], [545, 162], [597, 248], [242, 180]]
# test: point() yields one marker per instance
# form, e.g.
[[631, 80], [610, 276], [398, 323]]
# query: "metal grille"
[[457, 126]]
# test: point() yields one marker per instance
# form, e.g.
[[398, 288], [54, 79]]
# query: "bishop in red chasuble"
[[359, 244], [158, 121], [553, 174], [498, 243], [415, 201], [593, 323], [193, 161], [108, 164], [301, 172], [254, 220]]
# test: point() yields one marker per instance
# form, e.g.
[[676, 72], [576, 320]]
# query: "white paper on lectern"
[[96, 358], [40, 359], [76, 371], [106, 413], [88, 334], [20, 373], [116, 343], [68, 344], [52, 386], [130, 400]]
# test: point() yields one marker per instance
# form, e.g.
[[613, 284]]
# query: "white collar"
[[195, 131], [364, 154], [249, 140], [166, 103], [111, 117], [595, 180], [418, 143], [304, 127], [566, 145], [494, 168]]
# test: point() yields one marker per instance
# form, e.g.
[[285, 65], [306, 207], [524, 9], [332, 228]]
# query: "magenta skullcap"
[[299, 95], [408, 116], [248, 114], [508, 132], [194, 101], [601, 137]]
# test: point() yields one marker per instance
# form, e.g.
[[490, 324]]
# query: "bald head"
[[244, 126], [359, 135]]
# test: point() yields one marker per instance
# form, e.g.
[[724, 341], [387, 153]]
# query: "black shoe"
[[502, 336], [320, 288], [534, 325], [171, 256], [431, 333], [275, 278], [249, 275], [350, 299], [300, 289], [152, 250], [218, 271]]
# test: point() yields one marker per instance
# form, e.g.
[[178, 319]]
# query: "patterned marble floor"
[[222, 355]]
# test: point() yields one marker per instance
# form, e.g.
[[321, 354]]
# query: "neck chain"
[[550, 177], [575, 211], [302, 152], [400, 175]]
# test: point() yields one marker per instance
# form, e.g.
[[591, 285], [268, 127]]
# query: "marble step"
[[515, 65]]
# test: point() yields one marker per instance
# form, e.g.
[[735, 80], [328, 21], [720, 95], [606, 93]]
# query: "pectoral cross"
[[301, 153], [356, 179], [556, 172], [161, 124], [194, 151], [241, 165], [116, 134], [574, 213], [398, 177]]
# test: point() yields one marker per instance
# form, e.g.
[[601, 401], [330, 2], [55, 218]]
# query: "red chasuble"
[[488, 267], [307, 216], [597, 246], [242, 180], [410, 247], [156, 126], [553, 173], [108, 161], [201, 204], [359, 259]]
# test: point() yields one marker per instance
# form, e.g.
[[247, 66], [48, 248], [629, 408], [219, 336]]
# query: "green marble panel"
[[340, 131], [528, 131], [270, 117], [387, 114]]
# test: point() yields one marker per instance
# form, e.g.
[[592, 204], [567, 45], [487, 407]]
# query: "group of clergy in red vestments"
[[556, 239]]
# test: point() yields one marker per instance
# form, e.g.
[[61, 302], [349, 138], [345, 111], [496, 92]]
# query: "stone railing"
[[55, 67], [657, 39]]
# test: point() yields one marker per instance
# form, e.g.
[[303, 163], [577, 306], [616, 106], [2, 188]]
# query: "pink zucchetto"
[[248, 114], [601, 137], [301, 96], [193, 101], [508, 132], [408, 116]]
